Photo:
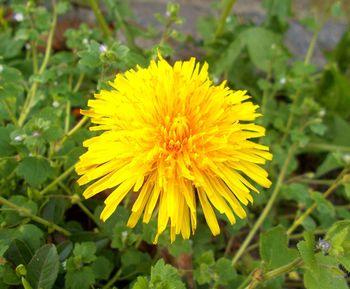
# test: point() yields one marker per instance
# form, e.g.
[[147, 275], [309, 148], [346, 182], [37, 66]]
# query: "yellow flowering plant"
[[175, 138]]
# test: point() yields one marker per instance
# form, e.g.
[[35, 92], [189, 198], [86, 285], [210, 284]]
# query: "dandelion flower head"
[[176, 140]]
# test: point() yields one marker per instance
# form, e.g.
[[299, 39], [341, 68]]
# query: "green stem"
[[100, 18], [72, 131], [330, 190], [9, 111], [268, 206], [222, 21], [67, 118], [32, 91], [113, 280], [57, 180], [275, 273], [327, 147], [29, 214], [79, 82], [75, 199]]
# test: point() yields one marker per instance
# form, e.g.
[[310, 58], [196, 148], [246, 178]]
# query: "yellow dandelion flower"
[[175, 139]]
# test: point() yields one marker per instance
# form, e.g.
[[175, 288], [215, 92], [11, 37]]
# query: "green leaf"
[[80, 279], [345, 261], [165, 276], [180, 246], [262, 46], [19, 252], [42, 270], [330, 163], [225, 272], [8, 275], [141, 283], [318, 128], [296, 192], [323, 205], [86, 251], [135, 261], [274, 249], [102, 268], [5, 147], [34, 170], [306, 249], [326, 276], [203, 273], [54, 210], [9, 45], [339, 237], [64, 249], [226, 59]]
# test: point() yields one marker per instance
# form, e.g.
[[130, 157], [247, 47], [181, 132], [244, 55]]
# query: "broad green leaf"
[[19, 252], [102, 268], [83, 278], [135, 261], [274, 249], [42, 270], [327, 276], [34, 170], [262, 45], [54, 210], [9, 45], [225, 271]]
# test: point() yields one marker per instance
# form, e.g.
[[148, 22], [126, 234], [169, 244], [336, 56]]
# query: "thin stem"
[[87, 212], [75, 199], [79, 82], [100, 18], [330, 190], [113, 280], [82, 121], [32, 91], [327, 147], [268, 206], [222, 21], [275, 273], [9, 111], [57, 180], [311, 48], [29, 214], [67, 118]]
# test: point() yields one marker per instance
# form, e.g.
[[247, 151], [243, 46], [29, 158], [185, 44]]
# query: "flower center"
[[175, 132]]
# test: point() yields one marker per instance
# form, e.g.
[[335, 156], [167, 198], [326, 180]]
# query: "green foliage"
[[42, 269], [162, 277], [51, 237], [320, 269], [274, 250]]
